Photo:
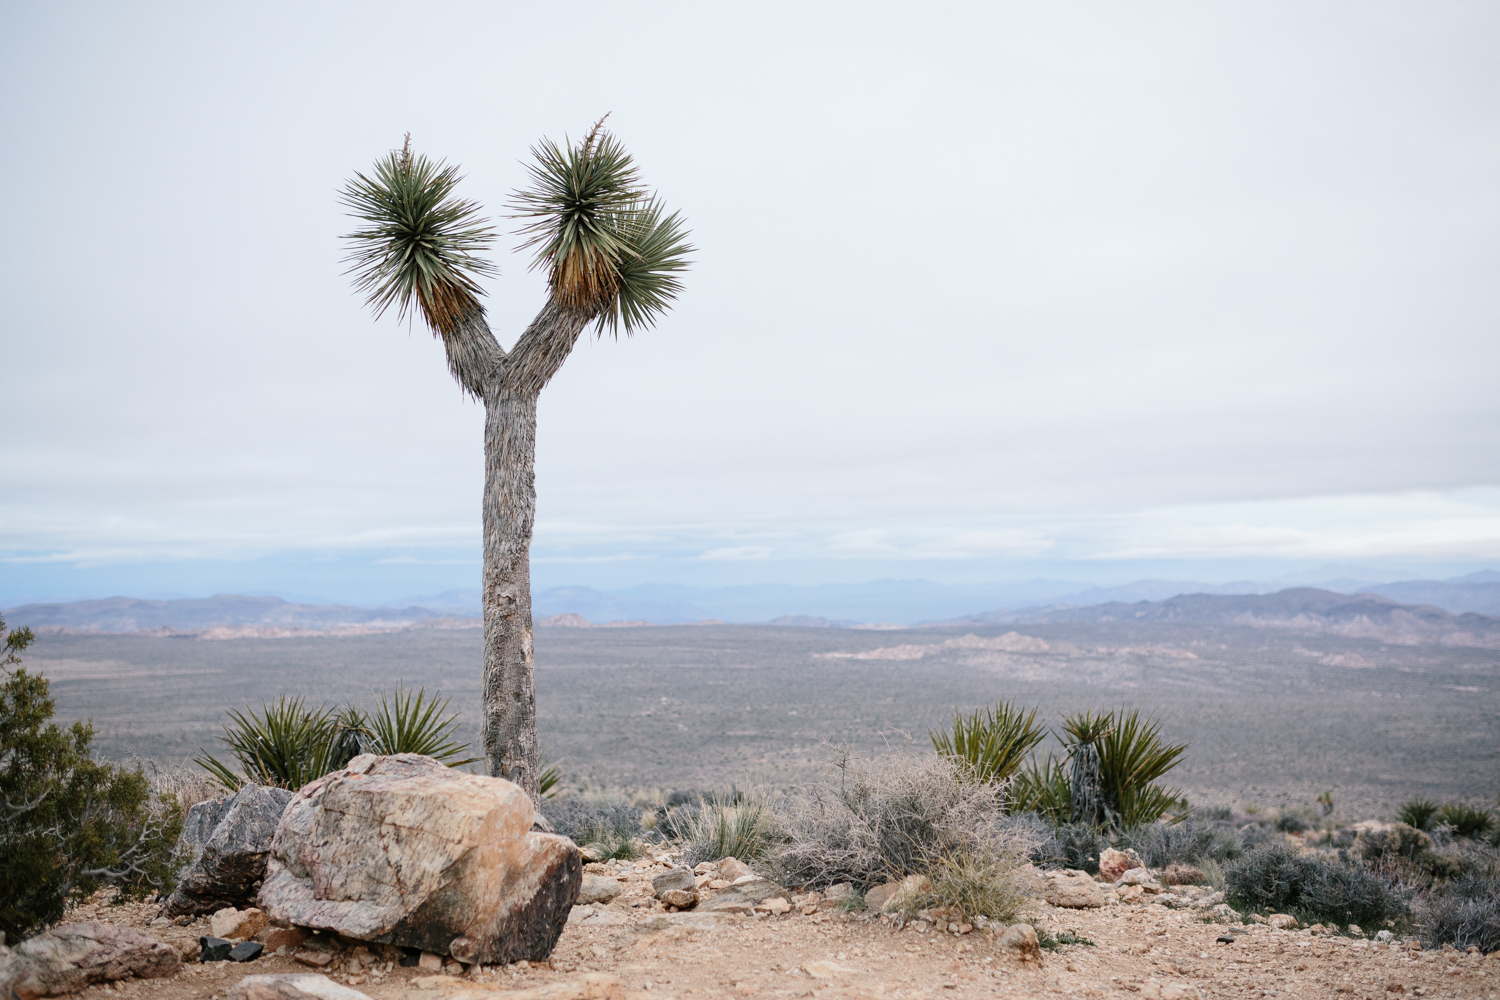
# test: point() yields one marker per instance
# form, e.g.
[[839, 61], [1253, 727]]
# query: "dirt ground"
[[1138, 949]]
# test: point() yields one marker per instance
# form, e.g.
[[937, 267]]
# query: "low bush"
[[69, 824], [727, 826], [1399, 841], [1417, 813], [889, 817], [1186, 843], [1466, 820], [1464, 913], [978, 881], [615, 825], [1324, 887]]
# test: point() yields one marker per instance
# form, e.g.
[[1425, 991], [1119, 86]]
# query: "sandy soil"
[[1138, 950]]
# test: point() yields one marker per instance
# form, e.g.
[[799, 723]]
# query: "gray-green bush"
[[1324, 887], [1464, 913], [1186, 843], [615, 825]]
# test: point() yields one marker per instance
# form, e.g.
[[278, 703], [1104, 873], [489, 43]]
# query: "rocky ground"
[[634, 946]]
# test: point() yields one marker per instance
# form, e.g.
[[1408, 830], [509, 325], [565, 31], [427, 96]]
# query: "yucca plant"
[[404, 722], [1417, 813], [613, 257], [991, 743], [1132, 757], [1466, 820], [1043, 787], [285, 744]]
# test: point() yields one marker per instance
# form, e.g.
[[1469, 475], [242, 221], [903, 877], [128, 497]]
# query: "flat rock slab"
[[743, 898], [292, 986], [70, 957], [402, 850]]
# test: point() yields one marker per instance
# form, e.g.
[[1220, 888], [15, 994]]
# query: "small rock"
[[742, 899], [777, 905], [676, 887], [718, 883], [213, 949], [827, 970], [1113, 864], [316, 959], [431, 961], [292, 986], [704, 868], [597, 889], [743, 879], [1224, 939], [158, 922], [1383, 937], [1141, 877], [1020, 939], [1130, 894], [1356, 930], [593, 852], [237, 925], [1223, 913], [732, 868], [245, 951]]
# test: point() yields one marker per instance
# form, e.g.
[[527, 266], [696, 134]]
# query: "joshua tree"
[[612, 258]]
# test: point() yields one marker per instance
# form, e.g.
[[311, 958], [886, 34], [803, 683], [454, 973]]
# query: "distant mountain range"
[[872, 604], [1363, 615]]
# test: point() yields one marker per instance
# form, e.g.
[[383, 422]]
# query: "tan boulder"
[[732, 868], [402, 850], [69, 957], [1021, 940], [1113, 864], [1281, 921], [237, 925], [1074, 890]]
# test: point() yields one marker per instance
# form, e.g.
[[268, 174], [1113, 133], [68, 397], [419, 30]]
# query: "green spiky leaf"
[[418, 245]]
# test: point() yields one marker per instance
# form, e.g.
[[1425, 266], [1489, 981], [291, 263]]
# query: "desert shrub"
[[978, 881], [1465, 913], [889, 817], [1188, 842], [991, 743], [69, 824], [1399, 841], [1293, 822], [1254, 835], [1466, 820], [1417, 813], [723, 827], [289, 743], [617, 825], [1325, 887]]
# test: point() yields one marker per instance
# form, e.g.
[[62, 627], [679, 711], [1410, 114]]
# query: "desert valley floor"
[[1272, 716]]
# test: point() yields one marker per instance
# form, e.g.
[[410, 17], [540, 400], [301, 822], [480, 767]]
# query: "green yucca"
[[991, 742], [285, 744], [1418, 812], [410, 723]]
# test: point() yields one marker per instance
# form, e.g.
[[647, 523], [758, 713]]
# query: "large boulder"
[[402, 850], [229, 862], [1074, 890], [70, 957]]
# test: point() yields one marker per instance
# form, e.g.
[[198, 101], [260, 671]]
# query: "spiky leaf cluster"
[[606, 243], [419, 242]]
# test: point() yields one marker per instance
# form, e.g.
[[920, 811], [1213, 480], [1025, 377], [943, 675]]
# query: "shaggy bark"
[[509, 385]]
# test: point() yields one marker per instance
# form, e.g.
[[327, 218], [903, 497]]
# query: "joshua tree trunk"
[[509, 385]]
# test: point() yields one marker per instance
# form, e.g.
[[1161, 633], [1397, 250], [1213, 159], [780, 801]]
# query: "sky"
[[981, 292]]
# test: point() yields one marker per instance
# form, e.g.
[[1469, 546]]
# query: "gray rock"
[[214, 949], [69, 957], [198, 826], [598, 889], [230, 863], [677, 887], [742, 898], [1383, 936], [245, 951]]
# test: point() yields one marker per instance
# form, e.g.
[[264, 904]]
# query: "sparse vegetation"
[[615, 826], [979, 881], [895, 815], [289, 743], [723, 826], [68, 824], [1187, 843], [1464, 913], [1317, 886]]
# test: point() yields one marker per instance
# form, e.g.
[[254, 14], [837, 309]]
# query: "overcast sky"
[[982, 291]]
